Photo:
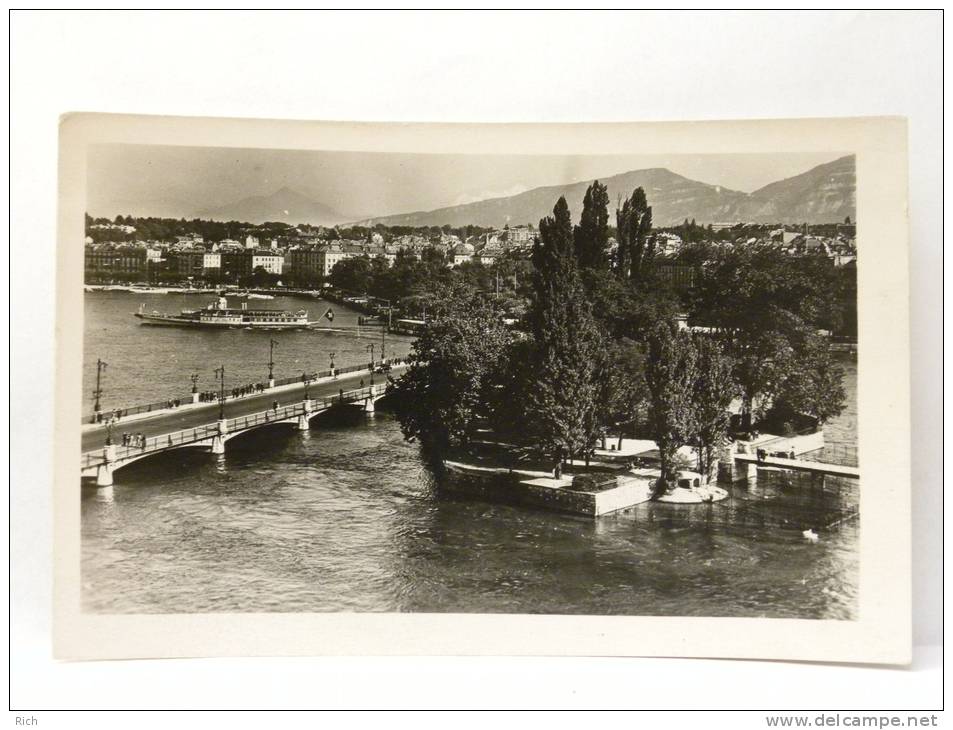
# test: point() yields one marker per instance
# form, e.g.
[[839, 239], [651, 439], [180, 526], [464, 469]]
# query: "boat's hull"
[[159, 320]]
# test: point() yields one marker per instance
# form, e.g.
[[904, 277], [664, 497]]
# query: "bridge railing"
[[160, 443], [256, 419], [240, 423], [840, 454], [120, 413]]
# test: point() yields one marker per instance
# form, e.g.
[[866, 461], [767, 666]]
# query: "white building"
[[270, 262], [462, 253]]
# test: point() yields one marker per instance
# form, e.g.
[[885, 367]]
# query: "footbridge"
[[210, 427], [751, 461]]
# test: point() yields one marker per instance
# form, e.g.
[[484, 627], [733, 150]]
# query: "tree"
[[623, 395], [636, 244], [767, 308], [454, 363], [671, 374], [591, 236], [563, 393], [352, 274], [715, 388], [816, 391]]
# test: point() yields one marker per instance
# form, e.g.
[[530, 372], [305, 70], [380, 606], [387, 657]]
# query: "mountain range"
[[823, 194]]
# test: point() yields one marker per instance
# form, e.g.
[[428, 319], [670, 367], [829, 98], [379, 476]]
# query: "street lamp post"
[[371, 348], [97, 394], [220, 373], [305, 379], [384, 328], [332, 361], [194, 377], [271, 361], [109, 430]]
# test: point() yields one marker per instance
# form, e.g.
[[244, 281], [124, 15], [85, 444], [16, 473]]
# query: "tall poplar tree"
[[715, 388], [591, 236], [563, 392], [636, 244], [670, 373]]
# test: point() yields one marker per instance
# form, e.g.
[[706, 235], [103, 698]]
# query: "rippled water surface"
[[346, 518]]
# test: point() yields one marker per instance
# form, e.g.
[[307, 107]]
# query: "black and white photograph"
[[449, 388], [476, 359], [332, 381]]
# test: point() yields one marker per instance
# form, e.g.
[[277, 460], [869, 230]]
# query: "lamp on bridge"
[[332, 363], [271, 362], [305, 379], [220, 374], [97, 394], [370, 348], [385, 328]]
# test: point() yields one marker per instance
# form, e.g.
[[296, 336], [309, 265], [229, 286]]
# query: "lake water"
[[347, 518]]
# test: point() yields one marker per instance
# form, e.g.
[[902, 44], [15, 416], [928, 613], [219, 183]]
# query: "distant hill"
[[673, 198], [284, 205], [824, 194]]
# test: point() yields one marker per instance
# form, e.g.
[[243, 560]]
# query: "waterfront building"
[[107, 261], [190, 263], [268, 260], [329, 255], [234, 265], [212, 263]]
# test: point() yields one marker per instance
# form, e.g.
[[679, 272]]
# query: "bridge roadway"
[[813, 467], [195, 416]]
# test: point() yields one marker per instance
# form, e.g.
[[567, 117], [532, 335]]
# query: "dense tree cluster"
[[602, 353]]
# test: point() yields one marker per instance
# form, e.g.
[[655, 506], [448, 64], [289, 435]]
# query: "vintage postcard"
[[601, 389]]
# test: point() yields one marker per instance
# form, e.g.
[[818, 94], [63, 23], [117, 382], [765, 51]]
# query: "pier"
[[812, 467]]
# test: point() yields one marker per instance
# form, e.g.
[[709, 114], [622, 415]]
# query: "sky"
[[185, 181]]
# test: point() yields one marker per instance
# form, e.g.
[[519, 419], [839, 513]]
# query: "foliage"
[[623, 395], [591, 236], [455, 365], [817, 391], [671, 374], [715, 388], [354, 274], [569, 347], [636, 245], [767, 308]]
